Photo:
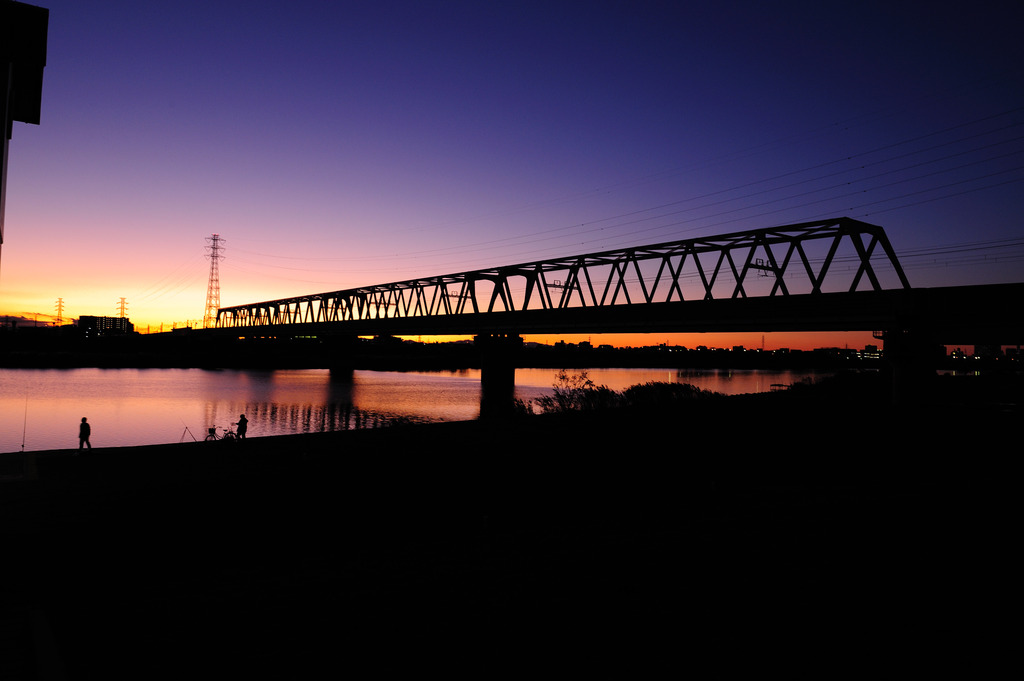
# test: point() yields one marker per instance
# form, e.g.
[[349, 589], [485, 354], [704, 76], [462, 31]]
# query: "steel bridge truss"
[[808, 258]]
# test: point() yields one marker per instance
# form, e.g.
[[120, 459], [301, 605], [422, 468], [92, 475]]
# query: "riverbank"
[[474, 548]]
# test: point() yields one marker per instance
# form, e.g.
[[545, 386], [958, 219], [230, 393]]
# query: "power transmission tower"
[[213, 287], [60, 311], [122, 309]]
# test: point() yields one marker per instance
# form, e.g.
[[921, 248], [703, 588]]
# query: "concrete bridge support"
[[911, 357], [498, 355]]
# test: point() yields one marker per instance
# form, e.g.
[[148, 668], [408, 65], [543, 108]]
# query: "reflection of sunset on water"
[[153, 406]]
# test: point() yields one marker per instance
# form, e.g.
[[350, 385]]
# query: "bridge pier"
[[498, 354], [911, 358]]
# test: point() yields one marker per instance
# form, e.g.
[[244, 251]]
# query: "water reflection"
[[41, 408], [310, 402]]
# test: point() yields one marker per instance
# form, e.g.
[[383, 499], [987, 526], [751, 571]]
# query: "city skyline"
[[336, 146]]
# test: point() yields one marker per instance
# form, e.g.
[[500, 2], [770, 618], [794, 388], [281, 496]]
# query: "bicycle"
[[212, 434]]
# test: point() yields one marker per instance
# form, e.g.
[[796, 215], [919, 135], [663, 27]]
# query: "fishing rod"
[[24, 426], [182, 439]]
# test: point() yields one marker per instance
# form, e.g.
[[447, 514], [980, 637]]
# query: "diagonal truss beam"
[[643, 275]]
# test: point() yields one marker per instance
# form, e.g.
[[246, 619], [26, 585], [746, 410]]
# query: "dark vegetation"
[[65, 347], [848, 390], [575, 391]]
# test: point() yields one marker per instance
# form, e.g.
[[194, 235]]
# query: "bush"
[[654, 394], [577, 392], [522, 407]]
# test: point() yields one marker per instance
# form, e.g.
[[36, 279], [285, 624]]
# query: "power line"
[[669, 224]]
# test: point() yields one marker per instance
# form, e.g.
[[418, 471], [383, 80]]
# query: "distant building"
[[871, 352], [105, 326], [988, 351]]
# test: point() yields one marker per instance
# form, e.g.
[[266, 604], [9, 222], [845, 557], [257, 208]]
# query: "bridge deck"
[[954, 315]]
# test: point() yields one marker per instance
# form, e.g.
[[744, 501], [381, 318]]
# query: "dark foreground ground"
[[774, 535]]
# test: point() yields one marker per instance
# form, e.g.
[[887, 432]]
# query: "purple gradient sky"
[[339, 144]]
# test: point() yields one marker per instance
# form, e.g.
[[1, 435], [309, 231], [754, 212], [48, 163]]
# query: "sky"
[[341, 144]]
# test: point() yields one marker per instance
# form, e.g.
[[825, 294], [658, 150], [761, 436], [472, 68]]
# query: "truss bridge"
[[782, 278], [830, 275]]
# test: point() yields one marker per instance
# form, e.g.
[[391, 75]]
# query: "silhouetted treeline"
[[66, 347]]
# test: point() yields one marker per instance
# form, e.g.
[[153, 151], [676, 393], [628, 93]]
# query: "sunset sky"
[[342, 144]]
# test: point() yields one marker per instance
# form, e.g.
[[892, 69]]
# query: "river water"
[[41, 409]]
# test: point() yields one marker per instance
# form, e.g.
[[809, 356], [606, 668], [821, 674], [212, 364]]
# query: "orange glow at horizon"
[[771, 341]]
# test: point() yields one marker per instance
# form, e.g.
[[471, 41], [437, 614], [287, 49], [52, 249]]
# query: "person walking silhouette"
[[84, 430], [243, 425]]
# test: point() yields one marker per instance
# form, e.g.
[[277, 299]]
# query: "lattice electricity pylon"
[[808, 258], [213, 286]]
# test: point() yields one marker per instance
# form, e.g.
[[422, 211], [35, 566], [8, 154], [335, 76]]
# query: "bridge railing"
[[808, 258]]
